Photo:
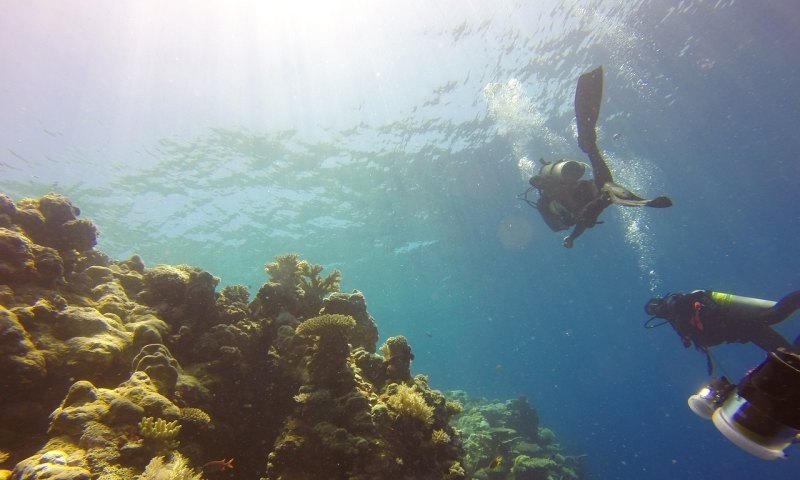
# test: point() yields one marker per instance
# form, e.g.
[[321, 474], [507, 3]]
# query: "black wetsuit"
[[581, 203], [698, 320]]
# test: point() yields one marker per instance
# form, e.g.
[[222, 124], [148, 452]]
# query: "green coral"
[[160, 435], [407, 403]]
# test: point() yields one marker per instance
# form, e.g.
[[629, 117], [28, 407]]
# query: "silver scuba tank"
[[736, 305], [563, 170]]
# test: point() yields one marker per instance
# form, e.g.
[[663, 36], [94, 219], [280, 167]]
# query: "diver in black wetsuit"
[[704, 318], [564, 199]]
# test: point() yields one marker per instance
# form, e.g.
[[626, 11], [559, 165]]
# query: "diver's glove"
[[568, 242]]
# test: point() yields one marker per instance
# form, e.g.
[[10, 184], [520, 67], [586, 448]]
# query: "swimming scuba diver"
[[704, 318], [566, 200]]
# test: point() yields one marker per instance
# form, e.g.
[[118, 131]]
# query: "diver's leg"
[[785, 307], [769, 340], [601, 172]]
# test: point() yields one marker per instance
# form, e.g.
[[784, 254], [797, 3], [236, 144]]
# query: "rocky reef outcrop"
[[115, 370], [503, 441]]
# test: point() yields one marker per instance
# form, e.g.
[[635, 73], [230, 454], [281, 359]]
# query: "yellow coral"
[[453, 407], [440, 437], [326, 324], [176, 469], [408, 403], [159, 434]]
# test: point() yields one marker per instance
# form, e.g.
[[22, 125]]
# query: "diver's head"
[[662, 307]]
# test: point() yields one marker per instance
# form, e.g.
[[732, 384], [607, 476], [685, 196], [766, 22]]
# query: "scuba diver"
[[704, 318], [566, 200]]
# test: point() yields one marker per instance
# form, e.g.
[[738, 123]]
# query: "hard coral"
[[315, 287], [326, 325], [176, 469], [398, 356], [409, 405], [295, 286], [156, 360], [328, 363], [160, 435], [21, 363], [365, 334]]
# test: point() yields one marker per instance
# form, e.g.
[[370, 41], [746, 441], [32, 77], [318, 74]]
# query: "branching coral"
[[159, 435], [440, 437], [297, 284], [175, 469], [315, 287], [285, 269], [407, 403]]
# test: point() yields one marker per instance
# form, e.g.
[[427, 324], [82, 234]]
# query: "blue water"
[[384, 141]]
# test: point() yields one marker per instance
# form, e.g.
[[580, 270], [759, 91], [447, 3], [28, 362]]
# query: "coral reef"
[[295, 287], [159, 435], [408, 405], [114, 370], [365, 333], [175, 469], [503, 440]]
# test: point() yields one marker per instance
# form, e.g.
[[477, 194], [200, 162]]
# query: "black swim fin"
[[588, 96], [659, 202]]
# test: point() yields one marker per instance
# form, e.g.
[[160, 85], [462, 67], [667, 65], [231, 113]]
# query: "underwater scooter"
[[760, 415]]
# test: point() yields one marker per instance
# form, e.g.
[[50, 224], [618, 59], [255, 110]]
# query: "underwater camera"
[[761, 415]]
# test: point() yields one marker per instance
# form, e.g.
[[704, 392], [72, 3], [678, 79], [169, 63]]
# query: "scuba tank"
[[736, 305], [563, 170]]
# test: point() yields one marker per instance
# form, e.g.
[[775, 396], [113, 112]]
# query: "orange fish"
[[218, 465]]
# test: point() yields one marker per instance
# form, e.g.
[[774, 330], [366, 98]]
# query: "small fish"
[[218, 465], [496, 462]]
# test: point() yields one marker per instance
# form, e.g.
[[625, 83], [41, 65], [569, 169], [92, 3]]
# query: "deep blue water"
[[370, 139]]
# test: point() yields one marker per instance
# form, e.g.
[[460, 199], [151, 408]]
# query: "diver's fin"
[[588, 96], [622, 196], [660, 202]]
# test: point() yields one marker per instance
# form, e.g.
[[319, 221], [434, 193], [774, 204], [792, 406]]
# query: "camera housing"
[[761, 414]]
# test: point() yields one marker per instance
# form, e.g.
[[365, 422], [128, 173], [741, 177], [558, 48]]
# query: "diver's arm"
[[587, 218], [576, 232]]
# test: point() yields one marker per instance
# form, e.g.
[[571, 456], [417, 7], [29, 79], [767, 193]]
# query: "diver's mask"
[[662, 307], [761, 415]]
